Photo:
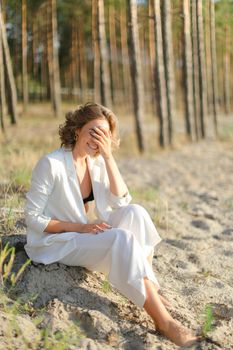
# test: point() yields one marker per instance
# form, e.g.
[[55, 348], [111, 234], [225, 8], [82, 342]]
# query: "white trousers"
[[121, 252]]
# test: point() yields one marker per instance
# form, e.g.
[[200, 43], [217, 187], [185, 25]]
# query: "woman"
[[120, 241]]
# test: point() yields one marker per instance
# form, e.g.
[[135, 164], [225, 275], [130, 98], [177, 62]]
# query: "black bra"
[[89, 198]]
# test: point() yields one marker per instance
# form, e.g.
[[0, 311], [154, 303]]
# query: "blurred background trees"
[[149, 56]]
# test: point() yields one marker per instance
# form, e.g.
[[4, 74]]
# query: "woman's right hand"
[[93, 228]]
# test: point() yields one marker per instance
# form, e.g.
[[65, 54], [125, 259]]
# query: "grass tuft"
[[208, 319]]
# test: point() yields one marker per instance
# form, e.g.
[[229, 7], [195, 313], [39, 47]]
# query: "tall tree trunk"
[[114, 54], [74, 54], [53, 64], [226, 71], [127, 89], [168, 64], [214, 73], [160, 93], [195, 70], [202, 73], [135, 69], [82, 61], [12, 97], [207, 34], [189, 109], [24, 55], [104, 58], [2, 88], [152, 48], [96, 50]]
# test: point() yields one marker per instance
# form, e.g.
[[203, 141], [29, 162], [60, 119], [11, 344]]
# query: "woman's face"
[[85, 141]]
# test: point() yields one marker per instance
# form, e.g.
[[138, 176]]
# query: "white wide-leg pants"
[[120, 252]]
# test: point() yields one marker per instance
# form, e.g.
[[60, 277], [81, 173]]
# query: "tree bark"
[[169, 65], [189, 109], [195, 70], [24, 55], [160, 93], [115, 74], [12, 98], [53, 64], [135, 69], [152, 49], [2, 88], [214, 73], [96, 51], [202, 73], [104, 58], [82, 61], [127, 89], [226, 71]]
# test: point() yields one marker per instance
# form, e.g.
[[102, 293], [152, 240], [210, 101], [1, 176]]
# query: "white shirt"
[[55, 194]]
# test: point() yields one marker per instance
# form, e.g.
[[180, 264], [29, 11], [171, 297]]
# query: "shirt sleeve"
[[41, 187], [116, 202]]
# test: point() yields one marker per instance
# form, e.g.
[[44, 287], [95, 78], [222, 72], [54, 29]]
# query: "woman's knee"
[[136, 209]]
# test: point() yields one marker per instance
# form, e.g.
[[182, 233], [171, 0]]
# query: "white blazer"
[[55, 194]]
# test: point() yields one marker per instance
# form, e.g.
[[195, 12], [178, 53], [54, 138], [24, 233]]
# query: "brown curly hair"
[[81, 116]]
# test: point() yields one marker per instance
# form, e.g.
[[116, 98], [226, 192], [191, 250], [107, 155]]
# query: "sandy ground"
[[189, 194]]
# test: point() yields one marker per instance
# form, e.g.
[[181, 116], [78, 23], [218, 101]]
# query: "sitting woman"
[[120, 242]]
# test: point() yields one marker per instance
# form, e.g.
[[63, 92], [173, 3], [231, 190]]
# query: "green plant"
[[106, 286], [208, 319], [8, 253], [21, 177]]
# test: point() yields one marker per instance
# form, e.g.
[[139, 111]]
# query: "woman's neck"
[[78, 157]]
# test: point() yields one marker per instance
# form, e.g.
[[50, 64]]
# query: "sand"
[[189, 194]]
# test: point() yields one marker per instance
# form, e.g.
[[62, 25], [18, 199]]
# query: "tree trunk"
[[104, 58], [214, 73], [12, 97], [206, 22], [189, 109], [82, 61], [195, 70], [2, 88], [152, 49], [96, 50], [226, 71], [169, 64], [127, 89], [53, 64], [135, 69], [24, 55], [74, 55], [202, 75], [160, 93], [116, 86]]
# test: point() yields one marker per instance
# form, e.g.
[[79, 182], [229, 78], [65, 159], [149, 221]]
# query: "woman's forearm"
[[57, 226], [117, 184]]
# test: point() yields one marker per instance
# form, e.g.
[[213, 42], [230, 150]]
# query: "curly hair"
[[81, 116]]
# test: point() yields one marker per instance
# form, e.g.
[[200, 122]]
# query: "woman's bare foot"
[[178, 334]]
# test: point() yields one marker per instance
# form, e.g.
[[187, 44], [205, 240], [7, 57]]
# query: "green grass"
[[208, 319], [145, 194], [106, 286], [21, 177]]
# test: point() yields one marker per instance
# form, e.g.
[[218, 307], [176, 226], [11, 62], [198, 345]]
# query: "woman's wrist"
[[108, 157]]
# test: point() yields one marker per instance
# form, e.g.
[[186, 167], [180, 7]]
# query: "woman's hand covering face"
[[102, 138]]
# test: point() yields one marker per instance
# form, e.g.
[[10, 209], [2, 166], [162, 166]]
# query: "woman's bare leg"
[[164, 322], [162, 298]]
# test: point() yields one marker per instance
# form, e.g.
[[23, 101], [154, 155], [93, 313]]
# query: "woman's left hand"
[[102, 138]]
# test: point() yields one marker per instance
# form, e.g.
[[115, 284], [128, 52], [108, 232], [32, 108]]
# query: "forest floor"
[[188, 192]]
